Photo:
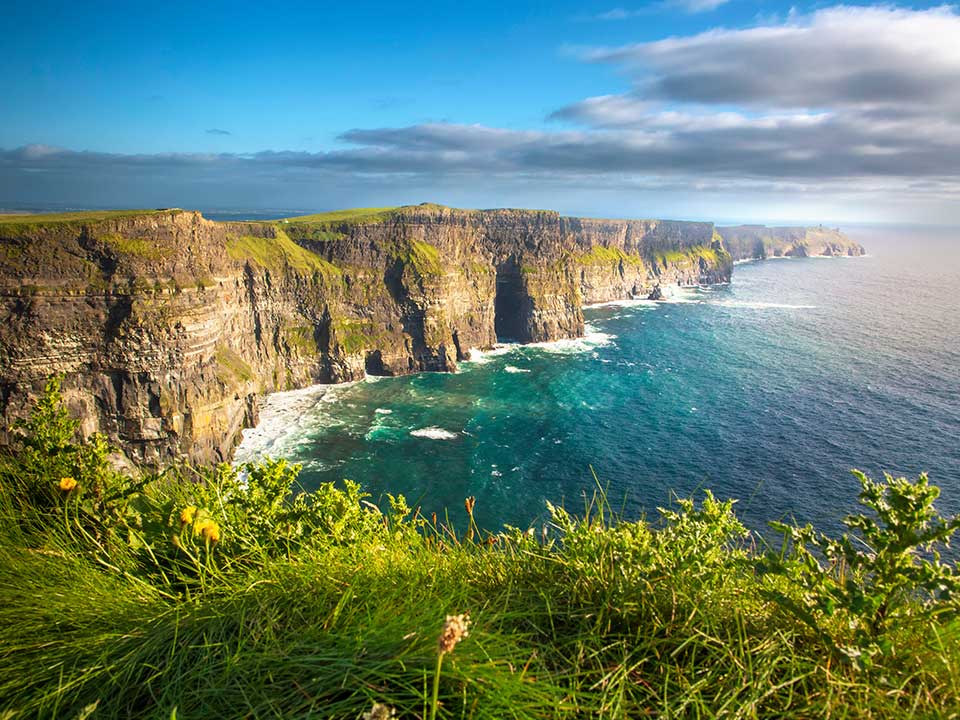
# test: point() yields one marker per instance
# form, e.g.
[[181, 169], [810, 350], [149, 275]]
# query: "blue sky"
[[736, 110]]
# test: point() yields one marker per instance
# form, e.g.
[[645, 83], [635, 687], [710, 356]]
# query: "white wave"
[[435, 433], [280, 427], [480, 357], [674, 294], [592, 338], [379, 432], [625, 302], [512, 369], [383, 411]]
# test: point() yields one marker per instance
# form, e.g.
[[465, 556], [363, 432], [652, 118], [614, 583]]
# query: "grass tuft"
[[280, 252], [354, 215]]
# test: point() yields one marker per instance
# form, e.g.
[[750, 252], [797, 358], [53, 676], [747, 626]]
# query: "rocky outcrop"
[[756, 242], [168, 328], [629, 258]]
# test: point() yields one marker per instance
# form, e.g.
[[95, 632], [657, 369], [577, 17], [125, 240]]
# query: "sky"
[[725, 110]]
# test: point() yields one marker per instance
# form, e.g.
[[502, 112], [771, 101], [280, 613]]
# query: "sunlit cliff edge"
[[168, 328]]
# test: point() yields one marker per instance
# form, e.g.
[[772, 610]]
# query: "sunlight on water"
[[768, 390]]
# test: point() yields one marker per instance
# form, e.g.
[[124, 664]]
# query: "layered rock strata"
[[168, 328]]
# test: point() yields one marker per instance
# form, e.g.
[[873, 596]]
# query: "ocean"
[[768, 390]]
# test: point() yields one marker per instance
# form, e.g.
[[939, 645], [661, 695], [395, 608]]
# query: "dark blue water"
[[768, 390]]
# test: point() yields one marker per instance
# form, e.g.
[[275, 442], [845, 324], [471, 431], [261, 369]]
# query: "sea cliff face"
[[749, 242], [167, 328]]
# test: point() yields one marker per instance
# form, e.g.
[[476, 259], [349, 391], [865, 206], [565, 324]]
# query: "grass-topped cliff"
[[148, 314], [222, 593], [756, 242]]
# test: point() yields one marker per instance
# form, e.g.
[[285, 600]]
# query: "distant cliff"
[[745, 242], [168, 328]]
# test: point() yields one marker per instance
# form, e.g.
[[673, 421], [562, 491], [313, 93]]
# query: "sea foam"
[[434, 433], [592, 338], [282, 420]]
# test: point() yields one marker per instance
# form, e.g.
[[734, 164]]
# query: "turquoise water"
[[768, 390]]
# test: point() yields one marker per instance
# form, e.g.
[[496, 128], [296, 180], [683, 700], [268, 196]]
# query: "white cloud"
[[843, 56], [850, 103]]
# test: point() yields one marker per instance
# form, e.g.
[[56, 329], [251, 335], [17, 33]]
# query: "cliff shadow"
[[511, 304]]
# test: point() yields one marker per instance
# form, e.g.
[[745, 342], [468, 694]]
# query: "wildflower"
[[469, 503], [67, 484], [455, 629], [209, 530], [380, 711], [188, 514]]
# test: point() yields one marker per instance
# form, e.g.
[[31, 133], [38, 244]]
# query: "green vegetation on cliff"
[[600, 255], [424, 258], [132, 246], [330, 226], [224, 592], [689, 254], [78, 217], [279, 252], [355, 334], [232, 370], [354, 215]]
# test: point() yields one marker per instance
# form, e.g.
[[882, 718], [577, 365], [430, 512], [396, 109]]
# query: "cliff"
[[168, 327], [747, 242]]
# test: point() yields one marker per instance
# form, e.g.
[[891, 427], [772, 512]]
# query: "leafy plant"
[[853, 590]]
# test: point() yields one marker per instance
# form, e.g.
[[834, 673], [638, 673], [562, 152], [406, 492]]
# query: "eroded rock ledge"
[[168, 327]]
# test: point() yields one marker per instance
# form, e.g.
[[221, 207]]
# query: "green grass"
[[232, 370], [77, 217], [600, 255], [114, 594], [137, 247], [301, 337], [425, 258], [326, 227], [356, 335], [692, 254], [355, 215], [278, 253]]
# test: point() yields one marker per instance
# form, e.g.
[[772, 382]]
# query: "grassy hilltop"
[[218, 593]]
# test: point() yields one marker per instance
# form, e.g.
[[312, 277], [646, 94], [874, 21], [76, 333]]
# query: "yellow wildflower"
[[188, 514], [455, 629], [67, 484], [209, 530]]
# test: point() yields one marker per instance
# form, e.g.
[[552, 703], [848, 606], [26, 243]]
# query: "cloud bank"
[[857, 101]]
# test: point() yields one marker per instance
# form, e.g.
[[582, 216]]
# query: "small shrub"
[[853, 590]]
